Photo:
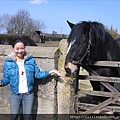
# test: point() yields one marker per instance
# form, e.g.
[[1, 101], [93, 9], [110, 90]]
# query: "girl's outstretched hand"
[[0, 84], [55, 72]]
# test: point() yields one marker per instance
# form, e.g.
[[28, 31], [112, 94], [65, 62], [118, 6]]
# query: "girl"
[[20, 69]]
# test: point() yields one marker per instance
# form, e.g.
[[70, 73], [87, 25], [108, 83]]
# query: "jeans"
[[26, 99]]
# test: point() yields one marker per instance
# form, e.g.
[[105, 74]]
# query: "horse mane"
[[97, 29]]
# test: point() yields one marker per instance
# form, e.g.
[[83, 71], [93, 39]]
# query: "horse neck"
[[98, 52], [110, 50]]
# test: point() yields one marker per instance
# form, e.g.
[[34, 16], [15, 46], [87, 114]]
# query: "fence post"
[[65, 90]]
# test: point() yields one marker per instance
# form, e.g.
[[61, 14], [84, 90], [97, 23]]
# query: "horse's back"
[[118, 41]]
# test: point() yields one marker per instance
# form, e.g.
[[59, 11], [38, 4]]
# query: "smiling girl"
[[20, 69]]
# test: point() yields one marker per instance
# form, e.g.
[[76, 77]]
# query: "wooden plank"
[[104, 63], [102, 105], [104, 81], [76, 103], [87, 106], [100, 78], [98, 93], [107, 85]]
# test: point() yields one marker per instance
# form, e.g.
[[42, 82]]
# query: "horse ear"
[[70, 24], [86, 28]]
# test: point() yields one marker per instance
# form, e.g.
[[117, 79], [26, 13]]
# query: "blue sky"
[[54, 13]]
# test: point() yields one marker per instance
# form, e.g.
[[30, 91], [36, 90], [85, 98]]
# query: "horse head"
[[89, 41], [78, 46]]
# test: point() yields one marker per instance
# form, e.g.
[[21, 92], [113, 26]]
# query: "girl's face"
[[19, 50]]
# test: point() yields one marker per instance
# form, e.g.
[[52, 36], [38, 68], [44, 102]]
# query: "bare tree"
[[21, 20], [1, 23], [21, 23], [34, 25], [11, 29], [40, 25], [4, 21]]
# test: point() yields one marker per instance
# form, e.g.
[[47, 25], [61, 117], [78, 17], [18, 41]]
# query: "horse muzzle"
[[70, 68]]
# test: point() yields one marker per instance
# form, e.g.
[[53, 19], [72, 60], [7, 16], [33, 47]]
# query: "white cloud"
[[38, 1]]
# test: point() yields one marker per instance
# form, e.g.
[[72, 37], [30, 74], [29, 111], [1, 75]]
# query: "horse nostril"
[[68, 71]]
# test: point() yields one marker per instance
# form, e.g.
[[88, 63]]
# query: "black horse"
[[90, 41], [118, 41]]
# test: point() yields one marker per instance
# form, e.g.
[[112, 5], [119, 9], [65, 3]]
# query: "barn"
[[37, 37]]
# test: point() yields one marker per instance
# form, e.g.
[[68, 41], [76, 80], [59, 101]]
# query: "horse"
[[118, 41], [90, 41]]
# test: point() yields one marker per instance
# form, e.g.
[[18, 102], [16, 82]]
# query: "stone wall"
[[52, 95]]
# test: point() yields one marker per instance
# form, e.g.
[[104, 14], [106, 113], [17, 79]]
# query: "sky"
[[55, 13]]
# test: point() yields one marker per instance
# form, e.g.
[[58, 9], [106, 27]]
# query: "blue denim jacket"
[[11, 74]]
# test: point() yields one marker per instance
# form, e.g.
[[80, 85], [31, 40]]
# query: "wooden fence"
[[109, 104]]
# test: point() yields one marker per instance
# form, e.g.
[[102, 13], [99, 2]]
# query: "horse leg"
[[96, 87]]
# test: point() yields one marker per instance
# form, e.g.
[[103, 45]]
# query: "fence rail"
[[112, 96]]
